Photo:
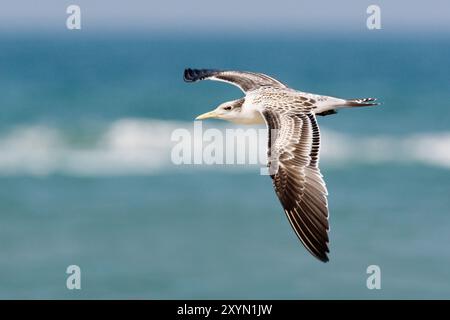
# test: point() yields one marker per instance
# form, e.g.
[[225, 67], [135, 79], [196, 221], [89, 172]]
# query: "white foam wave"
[[127, 146], [136, 146]]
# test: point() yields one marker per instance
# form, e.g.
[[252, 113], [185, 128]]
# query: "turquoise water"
[[86, 176]]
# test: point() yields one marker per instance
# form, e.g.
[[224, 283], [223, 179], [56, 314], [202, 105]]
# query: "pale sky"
[[230, 15]]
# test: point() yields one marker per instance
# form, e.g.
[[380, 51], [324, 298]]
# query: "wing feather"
[[246, 81], [293, 153]]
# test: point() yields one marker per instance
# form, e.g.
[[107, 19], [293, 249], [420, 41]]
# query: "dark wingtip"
[[322, 256], [188, 75], [192, 75]]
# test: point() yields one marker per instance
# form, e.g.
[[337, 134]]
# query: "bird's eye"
[[227, 108]]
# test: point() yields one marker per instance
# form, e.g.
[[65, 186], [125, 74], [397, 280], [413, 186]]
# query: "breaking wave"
[[139, 147]]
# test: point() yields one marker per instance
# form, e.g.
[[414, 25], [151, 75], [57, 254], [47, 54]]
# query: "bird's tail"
[[366, 102], [346, 103]]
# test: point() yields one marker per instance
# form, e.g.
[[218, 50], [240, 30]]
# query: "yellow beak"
[[211, 114]]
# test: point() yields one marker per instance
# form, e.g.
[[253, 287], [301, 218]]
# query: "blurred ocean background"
[[86, 176]]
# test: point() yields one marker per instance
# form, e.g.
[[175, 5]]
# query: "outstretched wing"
[[246, 81], [293, 155]]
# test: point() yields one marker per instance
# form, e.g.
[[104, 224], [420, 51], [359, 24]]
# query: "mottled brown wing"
[[293, 155], [246, 81]]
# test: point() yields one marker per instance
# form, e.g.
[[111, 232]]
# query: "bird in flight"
[[293, 147]]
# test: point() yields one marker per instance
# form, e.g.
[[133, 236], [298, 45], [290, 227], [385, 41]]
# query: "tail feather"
[[347, 103], [366, 102]]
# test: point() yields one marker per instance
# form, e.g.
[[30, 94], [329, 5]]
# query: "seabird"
[[294, 143]]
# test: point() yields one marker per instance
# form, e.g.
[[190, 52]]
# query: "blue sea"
[[86, 176]]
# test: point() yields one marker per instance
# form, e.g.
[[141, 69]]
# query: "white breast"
[[250, 113]]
